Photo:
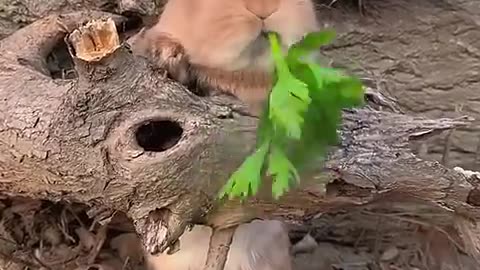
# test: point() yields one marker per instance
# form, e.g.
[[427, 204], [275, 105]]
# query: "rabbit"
[[257, 245], [222, 46]]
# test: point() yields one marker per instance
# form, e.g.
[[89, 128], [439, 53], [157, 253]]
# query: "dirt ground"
[[44, 235], [423, 53], [426, 54]]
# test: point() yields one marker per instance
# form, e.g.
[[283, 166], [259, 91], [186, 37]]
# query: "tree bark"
[[122, 137], [82, 140]]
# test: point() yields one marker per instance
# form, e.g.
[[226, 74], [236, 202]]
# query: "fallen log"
[[121, 137]]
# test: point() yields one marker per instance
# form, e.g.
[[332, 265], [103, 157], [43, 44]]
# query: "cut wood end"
[[95, 40]]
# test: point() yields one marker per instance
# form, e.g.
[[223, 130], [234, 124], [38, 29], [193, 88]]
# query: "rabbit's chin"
[[258, 54]]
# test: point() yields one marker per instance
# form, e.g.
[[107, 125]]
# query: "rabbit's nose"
[[262, 9], [263, 16]]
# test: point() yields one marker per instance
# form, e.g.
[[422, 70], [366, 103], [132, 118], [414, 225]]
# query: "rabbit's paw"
[[163, 52], [169, 54]]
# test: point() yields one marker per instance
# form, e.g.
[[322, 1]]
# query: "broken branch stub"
[[95, 40]]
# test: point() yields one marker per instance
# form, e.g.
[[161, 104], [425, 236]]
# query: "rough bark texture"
[[120, 137], [99, 138]]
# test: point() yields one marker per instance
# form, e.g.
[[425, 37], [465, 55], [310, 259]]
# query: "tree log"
[[119, 137], [122, 137]]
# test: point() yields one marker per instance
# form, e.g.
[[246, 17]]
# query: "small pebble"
[[389, 254], [306, 245]]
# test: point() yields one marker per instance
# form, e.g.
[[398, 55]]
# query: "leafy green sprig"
[[300, 120]]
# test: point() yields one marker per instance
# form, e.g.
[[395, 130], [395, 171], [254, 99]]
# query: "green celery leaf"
[[246, 180], [310, 43], [289, 98], [331, 91], [347, 91], [300, 120], [282, 171]]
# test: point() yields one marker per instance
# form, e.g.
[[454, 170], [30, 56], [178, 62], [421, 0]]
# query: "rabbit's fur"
[[258, 245], [222, 44]]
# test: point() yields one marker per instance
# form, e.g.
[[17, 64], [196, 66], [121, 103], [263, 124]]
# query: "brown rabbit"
[[221, 45], [258, 245]]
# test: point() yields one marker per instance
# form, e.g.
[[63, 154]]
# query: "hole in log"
[[158, 136], [60, 62], [198, 91], [474, 197], [129, 28]]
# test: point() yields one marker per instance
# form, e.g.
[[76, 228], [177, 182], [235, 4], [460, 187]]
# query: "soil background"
[[425, 54]]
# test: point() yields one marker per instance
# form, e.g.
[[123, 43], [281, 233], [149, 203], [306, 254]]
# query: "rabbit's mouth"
[[257, 53], [264, 33], [260, 45]]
